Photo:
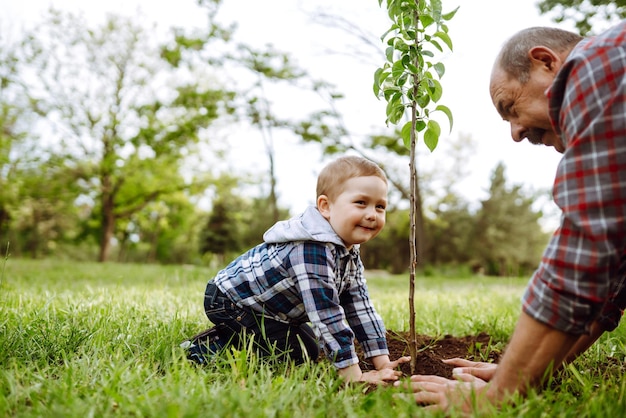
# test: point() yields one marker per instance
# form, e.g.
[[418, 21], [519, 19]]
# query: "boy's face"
[[357, 214]]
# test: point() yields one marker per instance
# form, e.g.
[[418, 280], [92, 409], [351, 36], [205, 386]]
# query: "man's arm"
[[533, 349], [584, 342], [486, 371]]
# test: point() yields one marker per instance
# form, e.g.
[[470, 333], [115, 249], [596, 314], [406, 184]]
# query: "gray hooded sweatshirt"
[[303, 272]]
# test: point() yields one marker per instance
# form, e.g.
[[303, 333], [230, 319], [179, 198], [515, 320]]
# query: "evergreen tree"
[[220, 237], [507, 236]]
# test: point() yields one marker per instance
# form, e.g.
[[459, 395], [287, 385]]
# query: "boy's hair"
[[332, 178]]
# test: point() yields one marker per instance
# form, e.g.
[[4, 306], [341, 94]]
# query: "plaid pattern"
[[307, 281], [582, 272]]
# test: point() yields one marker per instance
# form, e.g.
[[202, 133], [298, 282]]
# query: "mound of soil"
[[431, 352]]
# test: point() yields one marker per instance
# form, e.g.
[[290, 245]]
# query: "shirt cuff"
[[610, 317], [344, 358], [560, 310], [376, 347]]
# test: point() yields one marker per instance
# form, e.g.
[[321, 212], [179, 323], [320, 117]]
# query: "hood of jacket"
[[308, 226]]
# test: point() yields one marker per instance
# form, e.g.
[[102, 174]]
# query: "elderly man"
[[558, 89]]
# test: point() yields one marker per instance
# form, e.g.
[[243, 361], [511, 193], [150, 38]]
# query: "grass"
[[101, 340]]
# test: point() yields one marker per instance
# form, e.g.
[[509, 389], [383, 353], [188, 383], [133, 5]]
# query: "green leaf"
[[405, 133], [434, 89], [397, 112], [440, 69], [431, 136], [397, 69], [389, 53], [426, 20], [447, 112], [445, 38], [450, 15], [436, 45], [423, 100], [395, 108], [378, 81], [391, 29], [401, 81], [389, 92], [436, 7]]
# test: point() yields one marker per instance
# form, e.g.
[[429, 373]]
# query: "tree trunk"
[[108, 226], [419, 222]]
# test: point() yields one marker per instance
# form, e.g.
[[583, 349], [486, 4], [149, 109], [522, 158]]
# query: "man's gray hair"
[[513, 57]]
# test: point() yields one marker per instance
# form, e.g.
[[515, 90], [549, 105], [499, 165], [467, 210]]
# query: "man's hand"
[[484, 371], [441, 394]]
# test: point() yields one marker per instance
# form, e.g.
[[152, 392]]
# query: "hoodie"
[[303, 272]]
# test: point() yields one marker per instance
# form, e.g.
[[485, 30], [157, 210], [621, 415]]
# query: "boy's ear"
[[323, 205]]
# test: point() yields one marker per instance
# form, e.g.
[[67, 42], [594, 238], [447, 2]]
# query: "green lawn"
[[87, 339]]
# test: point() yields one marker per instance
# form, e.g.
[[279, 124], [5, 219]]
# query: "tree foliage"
[[585, 14], [103, 131], [406, 82], [507, 228], [122, 124]]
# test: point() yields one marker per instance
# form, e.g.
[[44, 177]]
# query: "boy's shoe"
[[201, 347]]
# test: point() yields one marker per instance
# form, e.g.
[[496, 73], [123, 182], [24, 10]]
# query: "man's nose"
[[517, 132]]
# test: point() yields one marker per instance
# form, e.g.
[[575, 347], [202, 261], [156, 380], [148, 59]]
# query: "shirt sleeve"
[[314, 272], [580, 275], [360, 313]]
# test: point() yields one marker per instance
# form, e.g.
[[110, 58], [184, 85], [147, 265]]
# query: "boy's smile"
[[358, 213]]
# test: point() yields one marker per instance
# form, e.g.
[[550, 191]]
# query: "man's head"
[[523, 70], [352, 197]]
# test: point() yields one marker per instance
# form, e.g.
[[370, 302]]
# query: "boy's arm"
[[383, 362]]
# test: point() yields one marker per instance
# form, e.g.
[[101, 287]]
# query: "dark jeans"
[[237, 326]]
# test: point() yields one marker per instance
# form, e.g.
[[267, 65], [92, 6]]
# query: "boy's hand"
[[381, 376], [396, 363], [383, 362]]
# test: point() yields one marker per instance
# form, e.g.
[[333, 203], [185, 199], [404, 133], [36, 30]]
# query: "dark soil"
[[431, 352]]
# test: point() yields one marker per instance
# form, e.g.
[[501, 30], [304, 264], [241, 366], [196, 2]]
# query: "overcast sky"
[[477, 32]]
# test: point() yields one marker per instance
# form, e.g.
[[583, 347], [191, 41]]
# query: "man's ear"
[[545, 57], [323, 205]]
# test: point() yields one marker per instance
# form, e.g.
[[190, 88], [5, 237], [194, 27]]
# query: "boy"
[[309, 270]]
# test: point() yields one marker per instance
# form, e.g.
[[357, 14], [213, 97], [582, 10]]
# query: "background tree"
[[123, 126], [585, 14], [257, 76], [221, 235], [267, 67], [507, 229], [46, 216], [449, 219], [14, 153], [235, 223]]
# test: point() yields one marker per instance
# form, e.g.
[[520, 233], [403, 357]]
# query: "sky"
[[477, 32]]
